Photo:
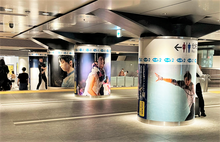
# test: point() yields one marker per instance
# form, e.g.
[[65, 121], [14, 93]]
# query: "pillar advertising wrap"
[[92, 70], [38, 70], [61, 68], [167, 78]]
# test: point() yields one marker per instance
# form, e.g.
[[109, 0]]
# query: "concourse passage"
[[59, 116]]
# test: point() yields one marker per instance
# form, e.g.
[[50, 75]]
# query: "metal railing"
[[124, 81], [204, 80]]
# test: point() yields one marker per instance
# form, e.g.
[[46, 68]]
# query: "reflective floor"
[[41, 116]]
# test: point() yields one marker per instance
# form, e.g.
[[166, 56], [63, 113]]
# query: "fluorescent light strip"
[[9, 9], [71, 118]]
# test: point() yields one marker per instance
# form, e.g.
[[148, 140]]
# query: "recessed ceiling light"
[[218, 20], [8, 9], [45, 13], [164, 13]]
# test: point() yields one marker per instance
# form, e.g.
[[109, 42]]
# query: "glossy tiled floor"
[[61, 117]]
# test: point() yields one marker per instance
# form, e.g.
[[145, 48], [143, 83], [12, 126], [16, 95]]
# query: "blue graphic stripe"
[[37, 54], [167, 60], [61, 52], [92, 50]]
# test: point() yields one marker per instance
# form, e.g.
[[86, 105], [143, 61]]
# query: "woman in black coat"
[[5, 83]]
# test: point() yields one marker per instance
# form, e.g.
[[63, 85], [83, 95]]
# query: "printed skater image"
[[95, 80], [106, 86], [187, 86], [42, 69], [66, 64]]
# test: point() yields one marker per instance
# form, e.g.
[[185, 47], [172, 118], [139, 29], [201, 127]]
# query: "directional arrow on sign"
[[176, 47]]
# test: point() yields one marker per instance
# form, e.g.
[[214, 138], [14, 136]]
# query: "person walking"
[[23, 80], [42, 69], [199, 91], [13, 79], [5, 83]]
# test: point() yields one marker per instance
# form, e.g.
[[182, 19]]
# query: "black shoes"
[[203, 114]]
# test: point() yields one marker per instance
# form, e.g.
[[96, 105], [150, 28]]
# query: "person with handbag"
[[5, 83], [13, 79]]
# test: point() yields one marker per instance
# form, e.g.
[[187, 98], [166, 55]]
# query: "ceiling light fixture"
[[45, 13], [118, 28], [8, 9]]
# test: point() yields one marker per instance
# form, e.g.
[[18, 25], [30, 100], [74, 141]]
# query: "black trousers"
[[42, 76], [23, 86], [200, 96], [191, 113]]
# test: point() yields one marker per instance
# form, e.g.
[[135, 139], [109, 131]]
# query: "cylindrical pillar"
[[61, 68], [38, 70], [92, 70], [167, 80]]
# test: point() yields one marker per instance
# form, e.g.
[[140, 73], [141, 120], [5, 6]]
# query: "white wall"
[[216, 62], [23, 62], [11, 60], [34, 75]]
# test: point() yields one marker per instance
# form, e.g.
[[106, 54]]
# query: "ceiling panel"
[[138, 6], [34, 6], [34, 34], [82, 24], [25, 13], [194, 7], [213, 36]]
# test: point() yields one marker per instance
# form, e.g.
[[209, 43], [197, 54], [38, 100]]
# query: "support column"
[[167, 80], [37, 78], [61, 68], [92, 70]]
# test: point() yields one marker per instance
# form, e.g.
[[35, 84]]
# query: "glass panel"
[[205, 58]]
